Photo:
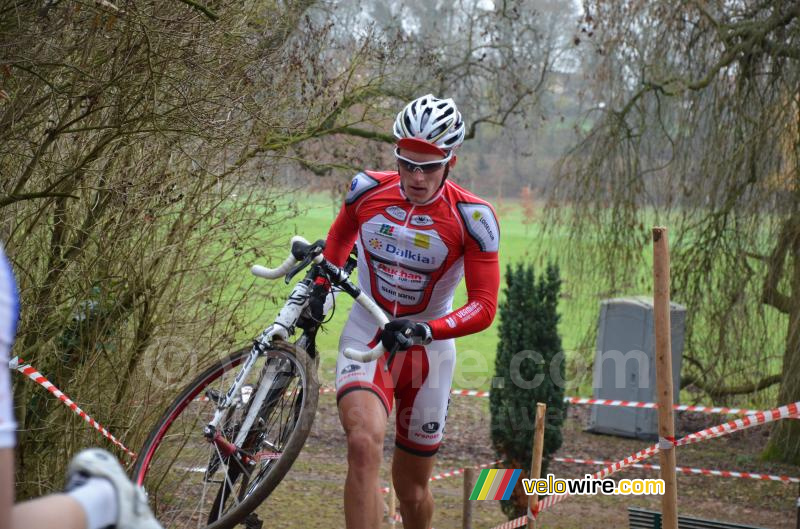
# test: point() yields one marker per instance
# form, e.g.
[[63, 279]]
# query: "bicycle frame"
[[283, 327], [286, 319]]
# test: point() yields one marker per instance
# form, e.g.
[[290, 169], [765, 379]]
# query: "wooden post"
[[663, 335], [392, 504], [536, 456], [466, 513]]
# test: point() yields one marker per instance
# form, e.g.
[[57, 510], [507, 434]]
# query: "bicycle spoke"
[[189, 481]]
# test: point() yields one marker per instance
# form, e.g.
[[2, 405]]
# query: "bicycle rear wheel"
[[188, 481]]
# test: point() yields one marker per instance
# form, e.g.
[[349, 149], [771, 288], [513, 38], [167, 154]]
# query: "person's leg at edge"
[[363, 418], [411, 475], [57, 510]]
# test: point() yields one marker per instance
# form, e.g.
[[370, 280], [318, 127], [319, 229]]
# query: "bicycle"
[[215, 473]]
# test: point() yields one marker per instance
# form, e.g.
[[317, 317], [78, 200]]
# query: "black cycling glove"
[[404, 334]]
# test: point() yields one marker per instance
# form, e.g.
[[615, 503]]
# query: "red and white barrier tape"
[[687, 470], [653, 405], [30, 372], [469, 393], [608, 402], [511, 524], [783, 412], [763, 417], [613, 468]]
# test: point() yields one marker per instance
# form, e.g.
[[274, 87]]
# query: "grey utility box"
[[625, 365]]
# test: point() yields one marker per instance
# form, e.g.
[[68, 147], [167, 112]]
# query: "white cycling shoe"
[[134, 513]]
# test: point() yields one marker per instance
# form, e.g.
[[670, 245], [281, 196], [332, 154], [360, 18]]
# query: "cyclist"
[[418, 233], [98, 493]]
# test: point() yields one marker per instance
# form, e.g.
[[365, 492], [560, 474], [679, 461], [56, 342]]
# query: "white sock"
[[99, 501]]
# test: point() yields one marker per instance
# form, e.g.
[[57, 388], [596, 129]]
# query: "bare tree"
[[695, 125], [494, 61], [126, 129]]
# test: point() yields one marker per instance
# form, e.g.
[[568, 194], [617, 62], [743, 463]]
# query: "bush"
[[530, 364]]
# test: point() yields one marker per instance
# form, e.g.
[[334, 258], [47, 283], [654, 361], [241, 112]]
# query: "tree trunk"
[[784, 443]]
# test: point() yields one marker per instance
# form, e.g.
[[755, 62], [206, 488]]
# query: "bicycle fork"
[[270, 379], [285, 320]]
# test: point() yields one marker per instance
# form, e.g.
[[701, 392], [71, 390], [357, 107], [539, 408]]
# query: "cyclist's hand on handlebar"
[[403, 334]]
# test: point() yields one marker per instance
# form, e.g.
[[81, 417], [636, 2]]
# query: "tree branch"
[[203, 9], [10, 199], [770, 293], [714, 391], [363, 133]]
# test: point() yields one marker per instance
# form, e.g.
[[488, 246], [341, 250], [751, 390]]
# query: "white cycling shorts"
[[419, 380]]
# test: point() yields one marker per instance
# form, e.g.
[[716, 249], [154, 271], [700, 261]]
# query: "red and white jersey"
[[411, 257]]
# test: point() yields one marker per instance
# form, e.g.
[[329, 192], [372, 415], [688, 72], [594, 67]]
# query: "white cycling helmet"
[[430, 124]]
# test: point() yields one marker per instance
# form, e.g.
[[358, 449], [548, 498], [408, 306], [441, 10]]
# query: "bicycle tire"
[[277, 469]]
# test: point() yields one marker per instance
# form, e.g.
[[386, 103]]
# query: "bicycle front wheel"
[[189, 482]]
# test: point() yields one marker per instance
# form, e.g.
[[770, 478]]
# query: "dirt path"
[[312, 492]]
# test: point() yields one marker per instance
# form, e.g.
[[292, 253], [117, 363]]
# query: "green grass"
[[579, 305], [476, 353]]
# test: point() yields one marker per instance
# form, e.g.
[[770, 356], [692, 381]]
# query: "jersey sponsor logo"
[[420, 251], [477, 215], [400, 276], [422, 240], [360, 184], [410, 255], [451, 322], [397, 212], [481, 224], [430, 427], [387, 230], [469, 312], [350, 369], [421, 220], [403, 297]]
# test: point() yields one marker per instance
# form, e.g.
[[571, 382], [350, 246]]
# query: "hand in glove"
[[403, 334]]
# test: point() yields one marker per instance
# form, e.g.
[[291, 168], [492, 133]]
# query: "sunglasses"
[[425, 167]]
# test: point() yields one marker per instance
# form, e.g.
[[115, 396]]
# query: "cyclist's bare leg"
[[57, 510], [411, 475], [363, 418]]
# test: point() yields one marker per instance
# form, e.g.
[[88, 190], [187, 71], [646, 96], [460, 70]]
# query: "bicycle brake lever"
[[401, 339], [392, 352], [299, 266], [311, 253]]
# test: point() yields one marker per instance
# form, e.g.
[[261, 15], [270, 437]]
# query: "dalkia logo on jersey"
[[387, 230], [376, 244], [408, 254], [396, 212]]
